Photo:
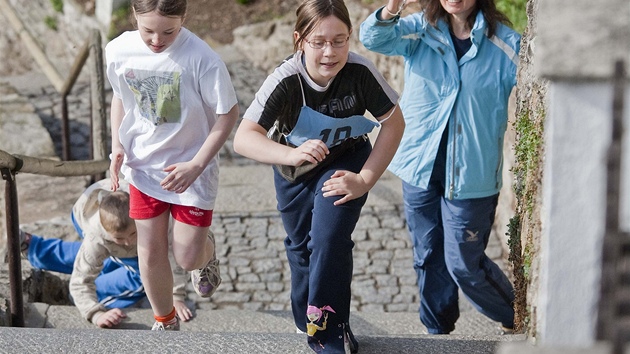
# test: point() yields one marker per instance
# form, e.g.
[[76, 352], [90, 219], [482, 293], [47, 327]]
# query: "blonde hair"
[[114, 212]]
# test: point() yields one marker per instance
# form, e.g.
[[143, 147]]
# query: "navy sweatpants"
[[449, 240], [319, 250]]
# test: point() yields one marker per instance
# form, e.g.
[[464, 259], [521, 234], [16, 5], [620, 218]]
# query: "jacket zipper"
[[451, 188]]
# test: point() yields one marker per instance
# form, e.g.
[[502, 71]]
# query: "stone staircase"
[[60, 329], [235, 320]]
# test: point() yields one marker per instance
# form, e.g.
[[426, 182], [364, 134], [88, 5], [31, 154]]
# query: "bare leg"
[[191, 246], [155, 268]]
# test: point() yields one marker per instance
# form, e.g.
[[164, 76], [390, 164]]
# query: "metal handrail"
[[62, 86], [10, 164], [615, 254]]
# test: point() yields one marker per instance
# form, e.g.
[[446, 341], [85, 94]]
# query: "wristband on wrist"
[[400, 8]]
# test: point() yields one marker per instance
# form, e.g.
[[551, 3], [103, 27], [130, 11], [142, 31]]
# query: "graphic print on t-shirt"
[[157, 94]]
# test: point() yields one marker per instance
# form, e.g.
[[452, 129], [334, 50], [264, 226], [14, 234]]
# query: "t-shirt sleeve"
[[112, 77], [379, 96], [275, 101], [217, 89]]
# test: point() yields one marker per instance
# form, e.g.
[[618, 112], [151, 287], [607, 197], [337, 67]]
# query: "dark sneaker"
[[159, 326], [206, 280]]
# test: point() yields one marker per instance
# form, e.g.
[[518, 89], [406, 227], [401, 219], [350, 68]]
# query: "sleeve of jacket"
[[389, 37], [87, 266]]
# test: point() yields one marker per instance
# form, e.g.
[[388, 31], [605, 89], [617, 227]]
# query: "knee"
[[190, 263], [462, 272]]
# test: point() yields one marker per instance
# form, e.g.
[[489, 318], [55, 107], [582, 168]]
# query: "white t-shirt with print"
[[171, 102]]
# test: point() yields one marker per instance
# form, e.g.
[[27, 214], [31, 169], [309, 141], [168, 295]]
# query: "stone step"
[[59, 329], [18, 340]]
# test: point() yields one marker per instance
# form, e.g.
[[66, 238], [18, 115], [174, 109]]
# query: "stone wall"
[[531, 105], [61, 45]]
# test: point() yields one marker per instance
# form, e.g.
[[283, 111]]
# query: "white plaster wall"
[[573, 217], [104, 8]]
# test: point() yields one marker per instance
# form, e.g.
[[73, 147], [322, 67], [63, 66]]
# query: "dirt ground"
[[218, 18]]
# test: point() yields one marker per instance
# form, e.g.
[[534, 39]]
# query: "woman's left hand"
[[349, 184], [180, 176]]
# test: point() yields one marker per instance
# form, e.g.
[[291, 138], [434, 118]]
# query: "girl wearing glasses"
[[307, 120]]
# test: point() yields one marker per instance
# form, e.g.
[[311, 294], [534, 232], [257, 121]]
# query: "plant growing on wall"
[[524, 228], [57, 5], [51, 22]]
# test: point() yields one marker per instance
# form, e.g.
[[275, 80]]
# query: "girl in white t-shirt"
[[173, 108]]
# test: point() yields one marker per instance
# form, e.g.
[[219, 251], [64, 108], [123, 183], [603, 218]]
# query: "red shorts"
[[141, 206]]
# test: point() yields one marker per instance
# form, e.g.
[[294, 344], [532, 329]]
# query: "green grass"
[[516, 11]]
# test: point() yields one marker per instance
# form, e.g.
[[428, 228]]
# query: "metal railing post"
[[13, 248], [65, 129], [614, 303], [75, 70], [99, 110]]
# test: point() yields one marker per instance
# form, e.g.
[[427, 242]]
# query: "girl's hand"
[[110, 318], [117, 157], [181, 176], [313, 151], [183, 312], [349, 184]]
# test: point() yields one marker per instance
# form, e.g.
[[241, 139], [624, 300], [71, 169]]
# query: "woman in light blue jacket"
[[460, 68]]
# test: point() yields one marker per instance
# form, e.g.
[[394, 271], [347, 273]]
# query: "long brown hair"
[[311, 12], [433, 11]]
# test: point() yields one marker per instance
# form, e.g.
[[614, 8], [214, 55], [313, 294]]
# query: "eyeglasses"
[[335, 43]]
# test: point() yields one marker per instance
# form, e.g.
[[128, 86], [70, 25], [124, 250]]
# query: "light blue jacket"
[[470, 95]]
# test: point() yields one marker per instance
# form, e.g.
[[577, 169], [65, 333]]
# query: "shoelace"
[[209, 271], [161, 327]]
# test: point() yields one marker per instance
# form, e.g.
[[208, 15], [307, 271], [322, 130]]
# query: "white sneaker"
[[206, 280], [159, 326]]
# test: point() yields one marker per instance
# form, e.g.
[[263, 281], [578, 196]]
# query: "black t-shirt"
[[461, 45], [357, 88]]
